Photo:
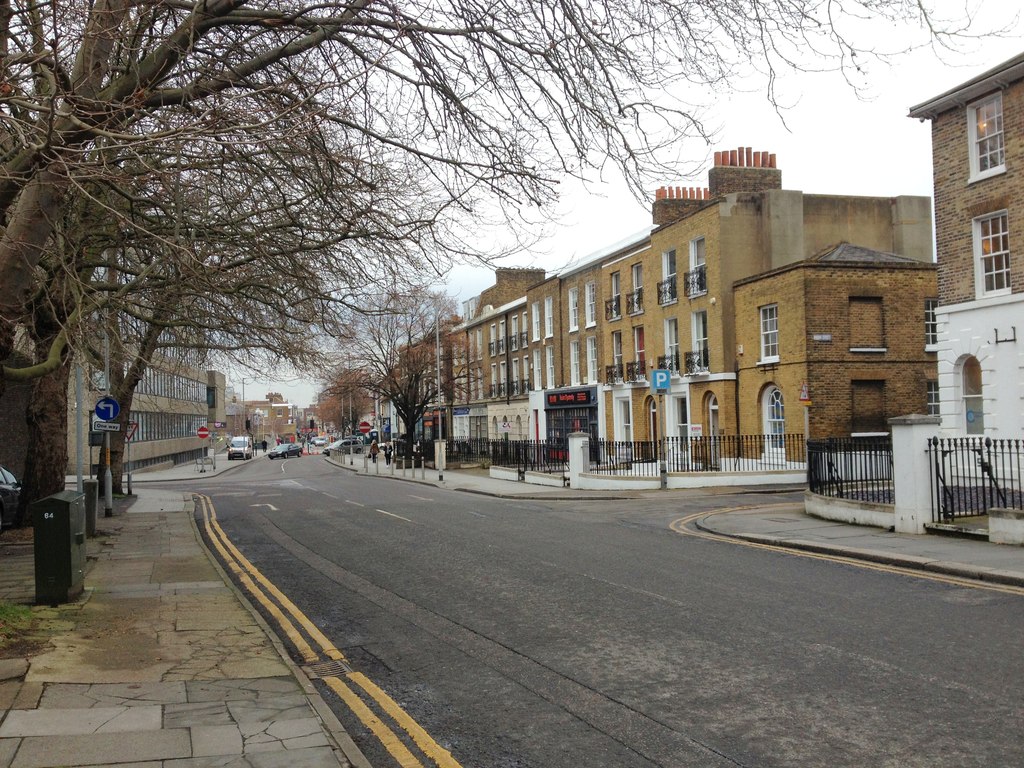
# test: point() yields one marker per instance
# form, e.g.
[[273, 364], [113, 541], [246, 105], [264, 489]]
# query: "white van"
[[240, 448]]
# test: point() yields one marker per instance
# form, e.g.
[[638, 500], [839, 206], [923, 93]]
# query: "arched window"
[[774, 413], [974, 409]]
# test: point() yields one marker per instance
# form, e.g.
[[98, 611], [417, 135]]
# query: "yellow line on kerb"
[[240, 565]]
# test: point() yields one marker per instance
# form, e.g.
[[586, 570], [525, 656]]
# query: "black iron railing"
[[551, 456], [856, 468], [613, 308], [718, 453], [698, 361], [636, 371], [669, 362], [613, 374], [971, 475], [667, 292], [696, 281], [635, 301]]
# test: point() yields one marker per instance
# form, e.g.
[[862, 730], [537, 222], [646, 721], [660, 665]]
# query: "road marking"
[[354, 503], [679, 526], [391, 514], [419, 498], [272, 507], [248, 575]]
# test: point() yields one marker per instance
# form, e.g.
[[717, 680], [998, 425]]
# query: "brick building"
[[839, 339], [978, 168], [681, 311], [496, 365], [695, 295]]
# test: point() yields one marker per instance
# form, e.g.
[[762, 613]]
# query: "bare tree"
[[394, 349], [429, 110]]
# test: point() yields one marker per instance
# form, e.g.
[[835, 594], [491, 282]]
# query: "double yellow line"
[[291, 620]]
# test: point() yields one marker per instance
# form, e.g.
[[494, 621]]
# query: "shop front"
[[571, 410]]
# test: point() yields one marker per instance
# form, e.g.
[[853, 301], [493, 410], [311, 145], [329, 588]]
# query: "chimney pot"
[[771, 161], [757, 159], [718, 158], [679, 194], [732, 157], [749, 152]]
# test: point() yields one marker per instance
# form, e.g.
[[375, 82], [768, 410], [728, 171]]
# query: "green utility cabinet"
[[59, 522]]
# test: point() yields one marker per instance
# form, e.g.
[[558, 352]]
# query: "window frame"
[[590, 304], [574, 309], [980, 257], [974, 140], [549, 317], [592, 359], [931, 324], [769, 333]]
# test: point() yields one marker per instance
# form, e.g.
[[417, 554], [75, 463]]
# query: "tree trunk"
[[46, 422]]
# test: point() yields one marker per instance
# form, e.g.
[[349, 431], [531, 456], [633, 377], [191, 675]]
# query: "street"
[[575, 633]]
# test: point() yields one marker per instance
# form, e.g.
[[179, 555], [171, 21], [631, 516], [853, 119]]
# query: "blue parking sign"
[[660, 379]]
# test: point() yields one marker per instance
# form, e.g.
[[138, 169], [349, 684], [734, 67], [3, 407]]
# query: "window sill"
[[869, 350], [767, 361], [931, 347], [976, 177]]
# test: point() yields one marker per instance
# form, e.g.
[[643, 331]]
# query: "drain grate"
[[333, 668]]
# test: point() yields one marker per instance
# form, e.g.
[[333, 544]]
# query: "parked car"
[[346, 444], [319, 442], [10, 490], [284, 450], [240, 447]]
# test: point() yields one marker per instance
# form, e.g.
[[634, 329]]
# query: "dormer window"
[[985, 134]]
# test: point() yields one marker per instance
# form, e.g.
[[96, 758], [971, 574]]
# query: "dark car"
[[10, 490], [284, 450]]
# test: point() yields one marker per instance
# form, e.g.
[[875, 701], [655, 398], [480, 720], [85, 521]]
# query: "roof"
[[847, 252], [994, 79]]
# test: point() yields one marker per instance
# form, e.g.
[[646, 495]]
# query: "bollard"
[[91, 489]]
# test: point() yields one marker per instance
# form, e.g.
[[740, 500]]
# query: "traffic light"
[[312, 424], [248, 425]]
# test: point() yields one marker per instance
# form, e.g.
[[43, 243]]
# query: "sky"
[[828, 141]]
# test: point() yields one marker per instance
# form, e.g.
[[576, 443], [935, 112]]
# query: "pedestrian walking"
[[263, 445], [387, 454], [374, 450]]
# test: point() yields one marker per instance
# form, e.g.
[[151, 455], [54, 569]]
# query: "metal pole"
[[79, 438], [128, 461], [108, 480], [662, 442], [438, 457]]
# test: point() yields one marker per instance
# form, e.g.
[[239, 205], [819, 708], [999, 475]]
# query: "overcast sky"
[[832, 142]]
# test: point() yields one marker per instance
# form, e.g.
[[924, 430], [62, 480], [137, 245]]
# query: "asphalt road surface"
[[571, 634]]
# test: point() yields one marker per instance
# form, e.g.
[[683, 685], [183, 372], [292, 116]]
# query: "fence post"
[[911, 471], [579, 451]]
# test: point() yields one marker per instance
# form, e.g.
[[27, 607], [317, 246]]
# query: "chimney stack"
[[743, 170], [674, 203]]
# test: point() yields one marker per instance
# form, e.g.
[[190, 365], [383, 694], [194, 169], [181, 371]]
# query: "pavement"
[[162, 659]]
